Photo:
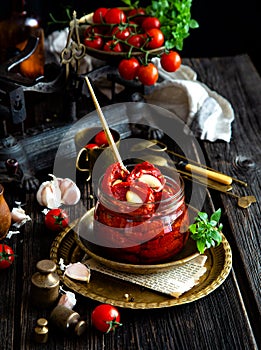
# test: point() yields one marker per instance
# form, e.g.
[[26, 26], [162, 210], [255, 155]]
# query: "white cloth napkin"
[[206, 113]]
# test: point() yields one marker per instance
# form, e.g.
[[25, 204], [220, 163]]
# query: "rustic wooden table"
[[229, 317]]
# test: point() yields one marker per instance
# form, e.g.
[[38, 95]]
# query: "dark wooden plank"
[[237, 80]]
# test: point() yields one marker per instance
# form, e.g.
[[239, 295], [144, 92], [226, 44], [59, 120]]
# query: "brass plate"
[[85, 229], [106, 289]]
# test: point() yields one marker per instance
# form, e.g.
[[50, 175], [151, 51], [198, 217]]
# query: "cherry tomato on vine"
[[105, 318], [94, 42], [170, 61], [148, 74], [6, 256], [99, 14], [56, 219], [150, 22], [115, 16], [136, 40], [121, 33], [128, 68], [112, 46], [156, 38], [134, 12], [137, 15]]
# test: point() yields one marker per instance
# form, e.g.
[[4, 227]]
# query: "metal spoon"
[[242, 202]]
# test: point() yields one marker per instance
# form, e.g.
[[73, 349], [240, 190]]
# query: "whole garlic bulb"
[[52, 194]]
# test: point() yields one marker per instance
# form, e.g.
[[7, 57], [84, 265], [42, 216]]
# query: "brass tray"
[[106, 289]]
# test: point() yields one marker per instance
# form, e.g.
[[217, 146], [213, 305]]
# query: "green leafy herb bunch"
[[207, 232]]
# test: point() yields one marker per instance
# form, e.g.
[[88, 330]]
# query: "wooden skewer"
[[105, 126]]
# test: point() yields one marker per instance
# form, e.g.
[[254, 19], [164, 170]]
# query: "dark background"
[[226, 27]]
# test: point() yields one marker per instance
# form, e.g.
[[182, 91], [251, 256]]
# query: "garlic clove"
[[18, 214], [151, 180], [49, 194], [70, 193], [78, 271], [56, 189], [132, 197], [116, 182]]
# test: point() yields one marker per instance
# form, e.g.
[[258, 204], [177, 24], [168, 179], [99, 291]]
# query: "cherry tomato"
[[156, 38], [101, 139], [91, 31], [150, 22], [148, 74], [170, 61], [105, 318], [115, 16], [112, 46], [128, 68], [94, 42], [56, 219], [99, 14], [136, 40], [137, 15], [91, 146], [121, 33], [6, 256], [139, 11]]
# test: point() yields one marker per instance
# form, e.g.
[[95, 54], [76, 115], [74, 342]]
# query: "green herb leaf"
[[205, 231], [175, 19]]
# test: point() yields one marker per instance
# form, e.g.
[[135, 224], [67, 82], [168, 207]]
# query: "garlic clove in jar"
[[132, 197]]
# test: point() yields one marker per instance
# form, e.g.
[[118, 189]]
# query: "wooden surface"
[[228, 318]]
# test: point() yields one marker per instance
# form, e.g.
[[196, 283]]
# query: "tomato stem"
[[113, 325]]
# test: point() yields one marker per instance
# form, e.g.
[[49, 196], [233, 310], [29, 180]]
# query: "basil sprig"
[[206, 232]]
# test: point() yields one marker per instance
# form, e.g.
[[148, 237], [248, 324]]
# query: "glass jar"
[[144, 233]]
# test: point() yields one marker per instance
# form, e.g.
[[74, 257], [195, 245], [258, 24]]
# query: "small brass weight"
[[67, 319], [45, 284], [41, 331]]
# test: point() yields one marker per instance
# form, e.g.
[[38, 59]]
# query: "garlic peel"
[[19, 217], [52, 194]]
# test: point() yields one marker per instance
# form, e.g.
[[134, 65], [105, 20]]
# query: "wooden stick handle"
[[221, 178], [105, 126]]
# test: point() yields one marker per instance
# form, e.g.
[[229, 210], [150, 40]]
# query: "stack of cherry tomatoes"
[[129, 31]]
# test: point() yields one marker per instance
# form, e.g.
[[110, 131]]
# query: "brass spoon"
[[242, 202]]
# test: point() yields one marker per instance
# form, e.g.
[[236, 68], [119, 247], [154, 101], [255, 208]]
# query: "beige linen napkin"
[[206, 113]]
